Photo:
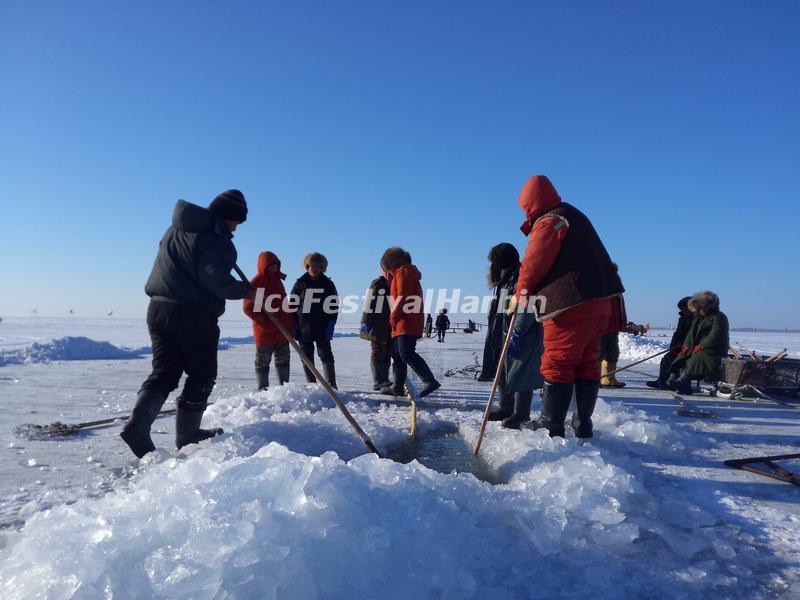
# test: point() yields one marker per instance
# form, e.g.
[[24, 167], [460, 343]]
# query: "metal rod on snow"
[[497, 376], [310, 364]]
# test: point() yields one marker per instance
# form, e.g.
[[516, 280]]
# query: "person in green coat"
[[376, 329], [705, 345]]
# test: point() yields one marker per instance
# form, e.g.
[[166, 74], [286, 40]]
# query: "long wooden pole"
[[638, 362], [310, 364], [497, 376]]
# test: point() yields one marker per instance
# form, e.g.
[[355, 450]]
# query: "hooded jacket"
[[565, 263], [408, 315], [194, 262], [264, 330]]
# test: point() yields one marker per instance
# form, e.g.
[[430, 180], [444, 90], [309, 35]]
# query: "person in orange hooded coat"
[[268, 338], [569, 281], [407, 321]]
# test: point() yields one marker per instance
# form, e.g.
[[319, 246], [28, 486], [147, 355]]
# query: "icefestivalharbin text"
[[452, 300]]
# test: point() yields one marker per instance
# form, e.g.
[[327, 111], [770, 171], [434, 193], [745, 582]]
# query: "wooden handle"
[[310, 364], [497, 376]]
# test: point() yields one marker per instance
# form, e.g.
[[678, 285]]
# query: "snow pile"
[[227, 342], [636, 347], [68, 348], [257, 514]]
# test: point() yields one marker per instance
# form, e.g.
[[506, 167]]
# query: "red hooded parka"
[[406, 294], [264, 330], [582, 287]]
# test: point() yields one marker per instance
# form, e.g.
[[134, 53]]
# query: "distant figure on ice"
[[471, 327], [188, 286], [428, 325], [269, 340], [685, 319], [520, 375], [316, 315], [442, 324], [406, 321], [705, 345], [576, 293], [609, 355], [375, 327]]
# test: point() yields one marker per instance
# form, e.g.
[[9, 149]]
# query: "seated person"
[[704, 347]]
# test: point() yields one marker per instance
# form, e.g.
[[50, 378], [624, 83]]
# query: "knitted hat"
[[230, 205]]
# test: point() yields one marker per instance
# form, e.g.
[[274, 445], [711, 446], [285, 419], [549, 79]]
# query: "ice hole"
[[444, 451]]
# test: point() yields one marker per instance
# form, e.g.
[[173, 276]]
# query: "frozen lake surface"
[[287, 504]]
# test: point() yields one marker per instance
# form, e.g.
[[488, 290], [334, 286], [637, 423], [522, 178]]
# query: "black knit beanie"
[[230, 205]]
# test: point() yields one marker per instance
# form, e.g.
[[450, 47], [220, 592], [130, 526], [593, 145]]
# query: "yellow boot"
[[606, 380]]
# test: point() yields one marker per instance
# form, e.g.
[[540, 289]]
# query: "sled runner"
[[770, 467]]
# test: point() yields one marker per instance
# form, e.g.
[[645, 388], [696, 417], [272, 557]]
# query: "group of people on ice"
[[562, 298]]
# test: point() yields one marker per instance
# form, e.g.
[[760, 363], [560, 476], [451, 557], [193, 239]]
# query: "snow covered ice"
[[287, 504]]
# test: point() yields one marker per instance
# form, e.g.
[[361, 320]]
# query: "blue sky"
[[353, 126]]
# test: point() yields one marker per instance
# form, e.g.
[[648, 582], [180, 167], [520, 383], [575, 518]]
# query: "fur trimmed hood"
[[707, 300]]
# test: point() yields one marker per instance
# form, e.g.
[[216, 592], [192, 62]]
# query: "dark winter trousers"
[[184, 340], [264, 356], [609, 347], [324, 351], [440, 333], [666, 365], [405, 355], [381, 351]]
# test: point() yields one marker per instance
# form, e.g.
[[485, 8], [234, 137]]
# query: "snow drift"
[[83, 348], [68, 348], [269, 510], [635, 347]]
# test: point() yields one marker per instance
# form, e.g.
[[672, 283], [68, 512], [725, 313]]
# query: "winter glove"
[[515, 346], [331, 326], [697, 349], [684, 351], [366, 329]]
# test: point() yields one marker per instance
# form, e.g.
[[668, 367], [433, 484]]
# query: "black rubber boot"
[[657, 384], [136, 432], [585, 401], [680, 385], [187, 424], [522, 410], [400, 372], [505, 410], [329, 369], [380, 375], [262, 378], [283, 374], [429, 387], [556, 398]]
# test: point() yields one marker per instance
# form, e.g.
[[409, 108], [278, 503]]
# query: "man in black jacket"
[[188, 286], [318, 310], [442, 324], [685, 320]]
